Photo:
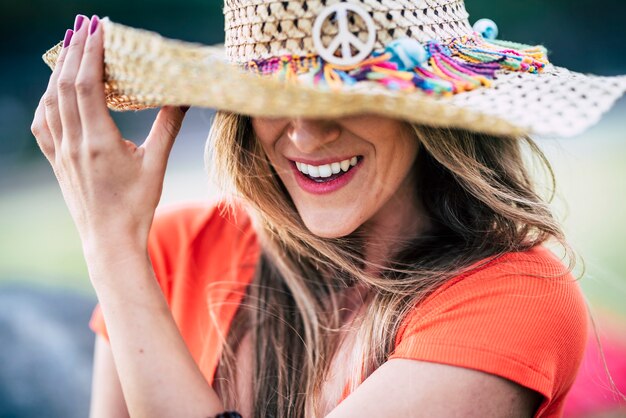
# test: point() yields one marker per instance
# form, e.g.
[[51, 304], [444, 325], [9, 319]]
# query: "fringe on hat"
[[461, 64]]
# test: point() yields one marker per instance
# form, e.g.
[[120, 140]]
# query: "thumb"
[[163, 133]]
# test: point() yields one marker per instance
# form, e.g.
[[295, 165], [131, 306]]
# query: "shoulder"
[[187, 221], [200, 239], [521, 316], [533, 273], [534, 279], [198, 226]]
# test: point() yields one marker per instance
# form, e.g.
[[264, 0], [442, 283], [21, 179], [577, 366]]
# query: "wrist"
[[115, 238], [113, 248], [117, 270]]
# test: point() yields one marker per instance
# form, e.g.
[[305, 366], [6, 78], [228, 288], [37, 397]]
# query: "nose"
[[310, 135]]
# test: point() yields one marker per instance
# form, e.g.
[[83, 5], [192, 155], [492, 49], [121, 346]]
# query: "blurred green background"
[[38, 242]]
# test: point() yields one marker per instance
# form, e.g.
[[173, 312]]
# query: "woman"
[[370, 265]]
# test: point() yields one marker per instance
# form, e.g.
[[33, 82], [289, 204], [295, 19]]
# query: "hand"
[[110, 185]]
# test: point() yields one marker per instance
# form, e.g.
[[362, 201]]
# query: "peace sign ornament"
[[345, 39]]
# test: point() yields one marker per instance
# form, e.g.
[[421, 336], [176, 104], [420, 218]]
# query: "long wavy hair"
[[480, 197]]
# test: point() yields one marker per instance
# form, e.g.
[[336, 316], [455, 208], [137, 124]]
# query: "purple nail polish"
[[94, 24], [68, 37], [78, 22]]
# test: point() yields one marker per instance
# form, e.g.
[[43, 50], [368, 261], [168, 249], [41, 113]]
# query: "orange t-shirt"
[[501, 318]]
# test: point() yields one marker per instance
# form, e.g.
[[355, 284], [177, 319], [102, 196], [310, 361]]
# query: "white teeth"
[[326, 170]]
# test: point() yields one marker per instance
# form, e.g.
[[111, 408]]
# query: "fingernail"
[[68, 37], [94, 24], [184, 108], [78, 22]]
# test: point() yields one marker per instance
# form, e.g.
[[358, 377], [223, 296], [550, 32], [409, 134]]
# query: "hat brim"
[[145, 70]]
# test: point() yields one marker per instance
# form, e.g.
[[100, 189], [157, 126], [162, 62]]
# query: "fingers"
[[90, 85], [50, 98], [42, 133], [68, 106], [74, 103], [164, 130]]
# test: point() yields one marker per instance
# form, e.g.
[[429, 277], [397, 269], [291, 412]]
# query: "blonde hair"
[[482, 202]]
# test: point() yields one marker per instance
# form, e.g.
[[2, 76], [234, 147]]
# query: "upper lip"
[[323, 161]]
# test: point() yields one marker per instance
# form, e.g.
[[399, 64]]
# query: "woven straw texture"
[[262, 29], [144, 69]]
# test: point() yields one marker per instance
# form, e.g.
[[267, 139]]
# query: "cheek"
[[268, 131], [409, 155], [396, 168], [400, 155]]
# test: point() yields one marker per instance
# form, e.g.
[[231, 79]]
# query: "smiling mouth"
[[327, 172]]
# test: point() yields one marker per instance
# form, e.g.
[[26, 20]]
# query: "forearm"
[[158, 375], [112, 187]]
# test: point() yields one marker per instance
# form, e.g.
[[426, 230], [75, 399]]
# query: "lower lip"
[[314, 187]]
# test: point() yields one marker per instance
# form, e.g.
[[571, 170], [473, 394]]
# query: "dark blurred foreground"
[[47, 353]]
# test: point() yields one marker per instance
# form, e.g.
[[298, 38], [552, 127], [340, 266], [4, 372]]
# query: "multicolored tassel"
[[462, 64]]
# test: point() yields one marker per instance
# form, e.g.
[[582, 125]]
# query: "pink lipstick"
[[321, 185]]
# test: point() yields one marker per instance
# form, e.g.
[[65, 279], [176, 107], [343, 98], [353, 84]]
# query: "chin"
[[328, 225]]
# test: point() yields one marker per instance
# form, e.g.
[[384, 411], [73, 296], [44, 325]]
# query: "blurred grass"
[[38, 241]]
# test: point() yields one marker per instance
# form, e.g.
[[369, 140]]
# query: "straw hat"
[[417, 60]]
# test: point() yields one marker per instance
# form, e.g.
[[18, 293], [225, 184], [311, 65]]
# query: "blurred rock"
[[46, 352]]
